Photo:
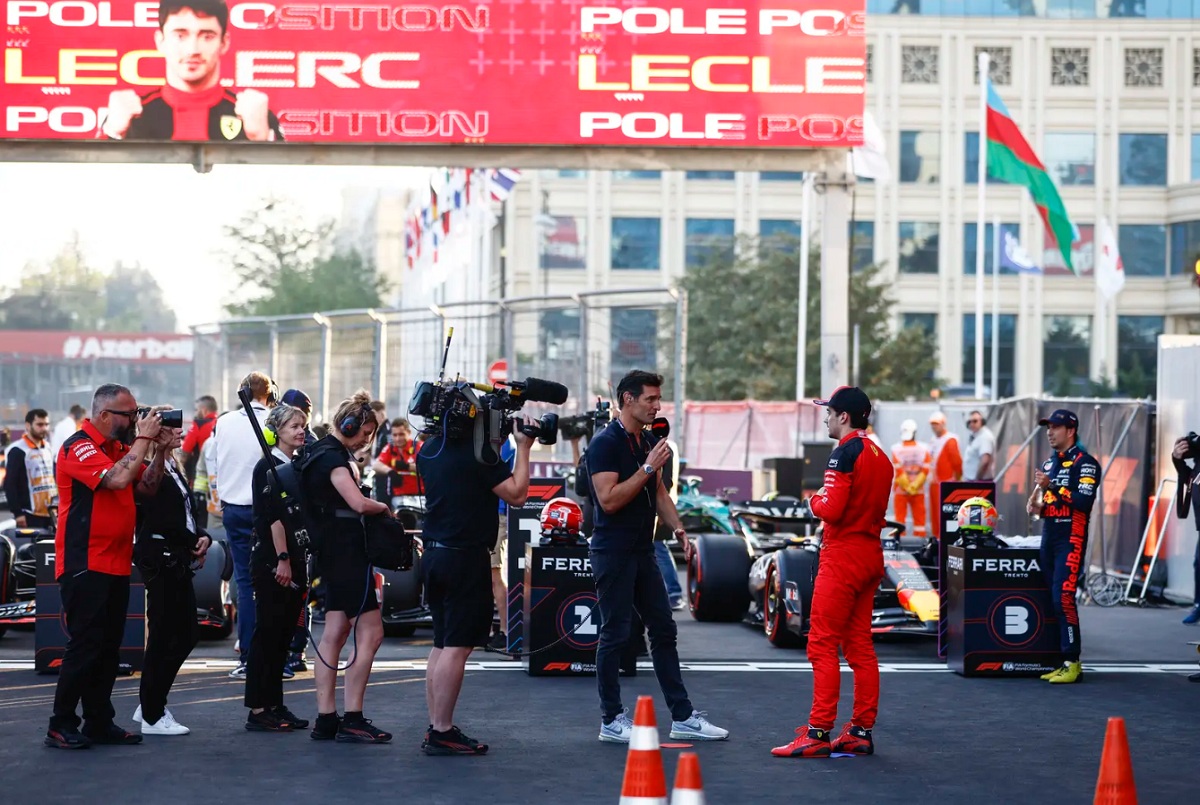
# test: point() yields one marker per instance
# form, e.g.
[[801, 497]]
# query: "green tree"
[[68, 293], [742, 328], [285, 267]]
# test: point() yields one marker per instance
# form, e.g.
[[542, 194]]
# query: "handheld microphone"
[[660, 428]]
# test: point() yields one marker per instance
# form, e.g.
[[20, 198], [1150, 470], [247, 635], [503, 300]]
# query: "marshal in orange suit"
[[947, 465]]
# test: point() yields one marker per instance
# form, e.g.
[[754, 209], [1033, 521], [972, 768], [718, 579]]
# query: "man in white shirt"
[[66, 427], [979, 460], [237, 451]]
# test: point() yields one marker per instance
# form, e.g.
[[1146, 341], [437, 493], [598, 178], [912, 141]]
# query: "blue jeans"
[[625, 581], [239, 528], [666, 566]]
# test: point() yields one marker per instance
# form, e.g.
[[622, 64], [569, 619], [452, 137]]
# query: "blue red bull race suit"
[[1074, 476]]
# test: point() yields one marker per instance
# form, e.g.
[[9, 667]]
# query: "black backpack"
[[298, 514]]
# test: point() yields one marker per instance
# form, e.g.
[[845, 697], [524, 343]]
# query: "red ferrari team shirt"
[[95, 525]]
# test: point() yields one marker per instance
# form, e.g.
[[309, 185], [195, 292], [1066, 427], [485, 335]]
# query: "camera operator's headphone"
[[351, 425]]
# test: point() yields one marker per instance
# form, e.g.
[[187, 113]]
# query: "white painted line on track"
[[706, 667]]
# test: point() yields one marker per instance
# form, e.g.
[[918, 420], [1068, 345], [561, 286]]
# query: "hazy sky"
[[168, 218]]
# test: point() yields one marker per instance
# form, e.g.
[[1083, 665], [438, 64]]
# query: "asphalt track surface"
[[940, 737]]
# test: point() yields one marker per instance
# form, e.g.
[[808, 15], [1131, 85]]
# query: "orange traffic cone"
[[1115, 785], [645, 781], [689, 789]]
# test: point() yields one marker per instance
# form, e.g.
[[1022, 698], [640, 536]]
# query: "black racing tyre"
[[799, 566], [207, 581], [774, 610], [401, 592], [716, 577]]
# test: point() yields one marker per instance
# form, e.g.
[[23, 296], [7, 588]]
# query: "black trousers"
[[95, 606], [173, 633], [277, 608]]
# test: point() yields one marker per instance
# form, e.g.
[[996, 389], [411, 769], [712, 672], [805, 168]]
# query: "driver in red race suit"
[[1064, 493], [853, 505]]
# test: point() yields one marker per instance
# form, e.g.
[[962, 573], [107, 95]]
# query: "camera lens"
[[172, 418]]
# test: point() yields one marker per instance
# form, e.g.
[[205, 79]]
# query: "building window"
[[1143, 249], [633, 341], [1185, 247], [1137, 354], [1069, 67], [926, 322], [919, 157], [970, 233], [637, 174], [919, 64], [778, 230], [558, 344], [564, 245], [1143, 67], [1196, 68], [711, 175], [862, 245], [1071, 157], [918, 248], [781, 176], [707, 239], [635, 243], [1143, 160], [571, 174], [870, 64], [1082, 256], [999, 65], [1007, 349], [971, 160], [1066, 356]]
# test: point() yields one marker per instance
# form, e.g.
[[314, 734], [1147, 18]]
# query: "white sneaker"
[[137, 714], [697, 728], [617, 731], [167, 725]]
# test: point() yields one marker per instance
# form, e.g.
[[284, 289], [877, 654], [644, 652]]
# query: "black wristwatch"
[[283, 556]]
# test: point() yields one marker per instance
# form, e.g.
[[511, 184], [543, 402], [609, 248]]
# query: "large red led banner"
[[726, 73]]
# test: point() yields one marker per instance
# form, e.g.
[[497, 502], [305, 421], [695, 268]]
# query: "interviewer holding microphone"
[[277, 570]]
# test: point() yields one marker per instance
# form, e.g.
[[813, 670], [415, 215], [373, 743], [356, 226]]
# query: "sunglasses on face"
[[129, 414]]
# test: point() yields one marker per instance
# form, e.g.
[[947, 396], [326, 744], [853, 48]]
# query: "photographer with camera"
[[462, 496], [1186, 448], [278, 569], [624, 466], [170, 543], [337, 504], [93, 553]]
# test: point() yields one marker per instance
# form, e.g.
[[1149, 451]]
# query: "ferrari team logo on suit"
[[231, 126]]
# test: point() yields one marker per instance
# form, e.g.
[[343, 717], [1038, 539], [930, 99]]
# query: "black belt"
[[346, 514], [428, 543]]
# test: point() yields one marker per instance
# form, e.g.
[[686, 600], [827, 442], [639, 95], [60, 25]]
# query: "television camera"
[[459, 409]]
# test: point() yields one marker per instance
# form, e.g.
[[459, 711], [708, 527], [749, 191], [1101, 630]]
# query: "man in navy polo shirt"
[[624, 466]]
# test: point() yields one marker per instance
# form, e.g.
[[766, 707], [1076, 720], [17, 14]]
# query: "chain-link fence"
[[586, 342]]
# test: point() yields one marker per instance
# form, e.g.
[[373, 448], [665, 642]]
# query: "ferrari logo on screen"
[[231, 126]]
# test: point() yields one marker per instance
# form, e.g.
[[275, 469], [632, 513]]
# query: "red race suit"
[[853, 505]]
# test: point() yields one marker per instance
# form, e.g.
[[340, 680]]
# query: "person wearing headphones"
[[278, 568], [336, 505]]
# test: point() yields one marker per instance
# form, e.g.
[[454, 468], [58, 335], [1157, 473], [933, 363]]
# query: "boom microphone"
[[537, 390]]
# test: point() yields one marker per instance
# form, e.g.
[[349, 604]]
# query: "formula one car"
[[764, 576], [18, 583]]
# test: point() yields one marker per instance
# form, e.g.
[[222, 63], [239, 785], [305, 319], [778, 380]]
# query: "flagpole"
[[981, 225], [996, 309], [802, 313]]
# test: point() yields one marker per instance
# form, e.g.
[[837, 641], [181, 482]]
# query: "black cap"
[[297, 399], [1061, 417], [849, 400]]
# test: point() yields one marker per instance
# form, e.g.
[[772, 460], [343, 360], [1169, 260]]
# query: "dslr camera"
[[1193, 445], [172, 418]]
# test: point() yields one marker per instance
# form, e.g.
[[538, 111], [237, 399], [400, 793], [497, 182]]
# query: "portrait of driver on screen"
[[192, 35]]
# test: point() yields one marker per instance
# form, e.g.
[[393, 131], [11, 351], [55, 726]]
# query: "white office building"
[[1103, 89]]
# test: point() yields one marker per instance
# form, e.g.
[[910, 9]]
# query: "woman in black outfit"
[[337, 504], [277, 570], [168, 542]]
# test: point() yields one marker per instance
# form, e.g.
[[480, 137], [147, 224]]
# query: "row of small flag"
[[431, 218]]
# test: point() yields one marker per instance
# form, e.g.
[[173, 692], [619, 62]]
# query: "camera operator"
[[624, 465], [337, 505], [278, 570], [1185, 448], [93, 553], [169, 540], [460, 528]]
